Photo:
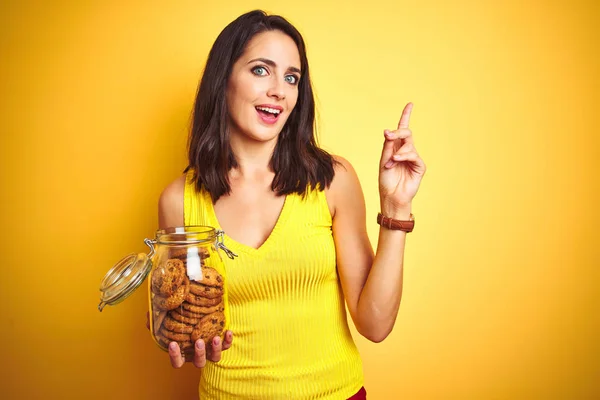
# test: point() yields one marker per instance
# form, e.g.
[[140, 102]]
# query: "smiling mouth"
[[268, 115], [268, 111]]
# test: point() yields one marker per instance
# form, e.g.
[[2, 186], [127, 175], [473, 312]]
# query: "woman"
[[296, 217]]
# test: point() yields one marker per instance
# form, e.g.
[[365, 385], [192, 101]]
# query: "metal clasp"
[[150, 243], [220, 244]]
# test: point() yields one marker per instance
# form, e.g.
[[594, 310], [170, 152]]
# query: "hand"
[[200, 355], [400, 168]]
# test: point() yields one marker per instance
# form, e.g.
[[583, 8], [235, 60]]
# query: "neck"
[[253, 158]]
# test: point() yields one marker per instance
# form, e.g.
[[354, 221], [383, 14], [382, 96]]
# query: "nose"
[[276, 89]]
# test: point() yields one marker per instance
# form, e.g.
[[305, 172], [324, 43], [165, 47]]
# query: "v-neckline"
[[235, 245]]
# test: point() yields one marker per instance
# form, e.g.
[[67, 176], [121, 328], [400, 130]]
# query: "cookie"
[[209, 292], [175, 336], [176, 326], [202, 310], [178, 316], [167, 279], [210, 326], [210, 277], [186, 346], [174, 301], [189, 314], [163, 341], [201, 301]]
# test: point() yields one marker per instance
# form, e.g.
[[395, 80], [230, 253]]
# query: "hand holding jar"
[[201, 355], [187, 292], [178, 358]]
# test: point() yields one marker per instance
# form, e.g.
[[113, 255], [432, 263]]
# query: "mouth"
[[269, 114]]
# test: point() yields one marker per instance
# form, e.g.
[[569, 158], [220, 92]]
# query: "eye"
[[291, 79], [260, 71]]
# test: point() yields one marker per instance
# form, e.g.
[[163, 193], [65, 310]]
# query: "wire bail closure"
[[220, 244], [150, 243]]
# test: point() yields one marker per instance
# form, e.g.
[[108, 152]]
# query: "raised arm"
[[372, 284]]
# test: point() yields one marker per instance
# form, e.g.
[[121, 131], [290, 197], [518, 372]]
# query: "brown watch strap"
[[397, 225]]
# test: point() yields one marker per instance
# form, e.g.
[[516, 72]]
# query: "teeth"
[[269, 110]]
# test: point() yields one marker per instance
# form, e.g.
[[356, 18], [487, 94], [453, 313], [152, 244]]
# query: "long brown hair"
[[297, 160]]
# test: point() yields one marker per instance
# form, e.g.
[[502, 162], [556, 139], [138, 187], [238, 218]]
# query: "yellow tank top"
[[287, 310]]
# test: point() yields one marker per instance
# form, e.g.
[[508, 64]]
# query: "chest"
[[297, 255], [299, 261], [249, 215]]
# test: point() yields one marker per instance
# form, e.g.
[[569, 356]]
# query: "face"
[[263, 88]]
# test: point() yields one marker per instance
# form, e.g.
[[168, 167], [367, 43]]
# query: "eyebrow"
[[272, 63]]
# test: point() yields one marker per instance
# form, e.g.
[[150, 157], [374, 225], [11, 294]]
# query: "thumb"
[[388, 149]]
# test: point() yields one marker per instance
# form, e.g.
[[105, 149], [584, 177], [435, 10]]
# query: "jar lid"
[[124, 278]]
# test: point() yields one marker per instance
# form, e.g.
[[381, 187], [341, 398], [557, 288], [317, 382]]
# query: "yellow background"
[[501, 285]]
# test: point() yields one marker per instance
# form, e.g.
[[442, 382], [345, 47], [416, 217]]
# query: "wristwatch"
[[395, 224]]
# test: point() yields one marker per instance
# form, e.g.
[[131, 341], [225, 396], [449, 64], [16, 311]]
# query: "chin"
[[266, 136], [257, 131], [264, 133]]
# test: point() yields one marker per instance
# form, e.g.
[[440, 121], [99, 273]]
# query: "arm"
[[170, 204], [372, 284]]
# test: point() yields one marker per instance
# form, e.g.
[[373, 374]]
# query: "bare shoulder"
[[345, 184], [342, 166], [170, 204]]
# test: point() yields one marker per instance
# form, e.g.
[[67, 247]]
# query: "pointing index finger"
[[405, 116]]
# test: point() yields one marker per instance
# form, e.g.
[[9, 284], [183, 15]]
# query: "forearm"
[[380, 297]]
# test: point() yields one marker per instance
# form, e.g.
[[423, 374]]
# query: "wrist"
[[397, 212], [406, 225]]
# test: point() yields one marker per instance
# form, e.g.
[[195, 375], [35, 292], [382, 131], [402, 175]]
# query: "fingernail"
[[389, 164], [216, 340], [172, 346], [199, 344]]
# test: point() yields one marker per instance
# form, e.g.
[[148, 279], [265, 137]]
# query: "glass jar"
[[187, 285]]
